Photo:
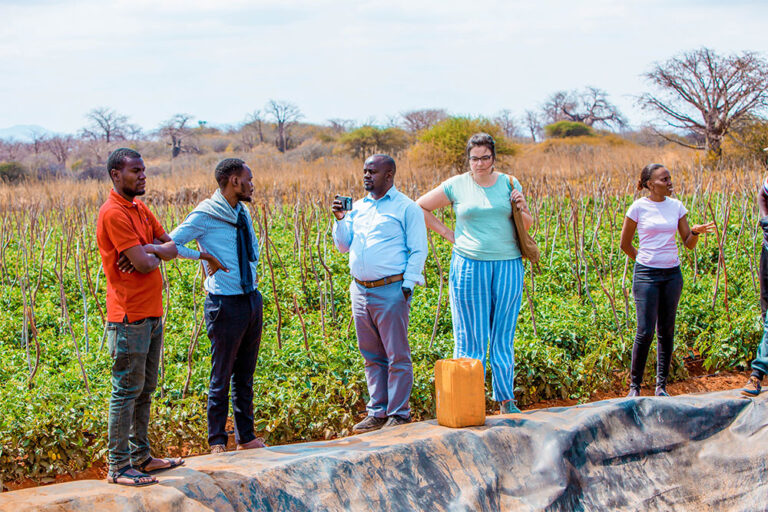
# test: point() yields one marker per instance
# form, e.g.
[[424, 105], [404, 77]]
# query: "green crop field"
[[574, 337]]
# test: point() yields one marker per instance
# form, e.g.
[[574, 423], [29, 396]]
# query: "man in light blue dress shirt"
[[223, 228], [386, 238]]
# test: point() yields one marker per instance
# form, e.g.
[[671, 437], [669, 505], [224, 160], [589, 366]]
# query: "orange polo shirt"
[[123, 224]]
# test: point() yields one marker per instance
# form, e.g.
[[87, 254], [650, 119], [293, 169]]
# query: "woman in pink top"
[[657, 281]]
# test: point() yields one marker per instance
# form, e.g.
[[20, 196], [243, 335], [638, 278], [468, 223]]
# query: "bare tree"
[[12, 150], [38, 141], [285, 116], [507, 122], [60, 147], [106, 124], [252, 132], [590, 106], [533, 123], [418, 120], [705, 93], [341, 125], [175, 130]]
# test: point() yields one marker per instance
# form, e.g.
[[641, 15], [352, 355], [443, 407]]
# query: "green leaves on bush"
[[444, 144], [12, 172], [368, 140], [564, 129]]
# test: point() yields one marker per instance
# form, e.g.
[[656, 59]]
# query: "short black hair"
[[481, 139], [118, 157], [227, 168], [388, 160]]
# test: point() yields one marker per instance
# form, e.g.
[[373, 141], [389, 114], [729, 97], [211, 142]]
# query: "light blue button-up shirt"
[[384, 237], [218, 238]]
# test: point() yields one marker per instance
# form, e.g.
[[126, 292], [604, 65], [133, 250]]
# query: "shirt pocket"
[[387, 226]]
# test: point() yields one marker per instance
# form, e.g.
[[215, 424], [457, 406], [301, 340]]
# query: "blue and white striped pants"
[[485, 300]]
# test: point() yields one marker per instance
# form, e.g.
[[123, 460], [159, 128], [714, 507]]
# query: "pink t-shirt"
[[656, 228]]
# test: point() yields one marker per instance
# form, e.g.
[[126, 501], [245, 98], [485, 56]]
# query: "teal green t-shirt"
[[484, 229]]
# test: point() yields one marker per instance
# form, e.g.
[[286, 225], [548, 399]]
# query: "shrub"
[[747, 142], [370, 139], [563, 129], [12, 172], [444, 144]]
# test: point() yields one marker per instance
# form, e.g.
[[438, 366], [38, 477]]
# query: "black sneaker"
[[369, 424], [394, 421]]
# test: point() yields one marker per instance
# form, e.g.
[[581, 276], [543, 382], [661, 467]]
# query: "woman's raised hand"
[[703, 229]]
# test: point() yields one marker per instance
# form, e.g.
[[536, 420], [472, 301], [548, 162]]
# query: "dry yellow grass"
[[543, 170]]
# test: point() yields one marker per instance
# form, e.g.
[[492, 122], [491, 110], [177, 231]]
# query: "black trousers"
[[234, 327], [657, 293], [763, 280]]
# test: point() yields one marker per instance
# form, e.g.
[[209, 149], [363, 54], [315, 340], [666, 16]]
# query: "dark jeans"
[[135, 349], [760, 364], [234, 328], [763, 281], [657, 292]]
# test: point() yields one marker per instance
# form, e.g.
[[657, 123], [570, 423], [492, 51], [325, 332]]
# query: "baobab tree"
[[706, 93], [107, 125], [176, 131], [417, 120], [590, 107], [285, 116]]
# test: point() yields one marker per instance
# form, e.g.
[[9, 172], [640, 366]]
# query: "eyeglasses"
[[484, 159]]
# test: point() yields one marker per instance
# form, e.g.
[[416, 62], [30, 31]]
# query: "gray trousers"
[[381, 323]]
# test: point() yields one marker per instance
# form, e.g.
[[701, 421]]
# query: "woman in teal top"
[[486, 275]]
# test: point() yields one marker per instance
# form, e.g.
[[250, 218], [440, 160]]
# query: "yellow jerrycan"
[[460, 392]]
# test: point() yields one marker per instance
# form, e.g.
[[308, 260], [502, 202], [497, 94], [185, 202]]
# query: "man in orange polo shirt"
[[132, 243]]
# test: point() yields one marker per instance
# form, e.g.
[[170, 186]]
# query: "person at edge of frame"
[[224, 231], [132, 243], [386, 238], [657, 281], [760, 363]]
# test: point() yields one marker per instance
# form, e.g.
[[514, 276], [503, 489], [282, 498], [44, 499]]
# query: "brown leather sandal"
[[172, 463]]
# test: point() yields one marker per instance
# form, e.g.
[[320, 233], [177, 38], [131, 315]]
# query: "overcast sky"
[[221, 59]]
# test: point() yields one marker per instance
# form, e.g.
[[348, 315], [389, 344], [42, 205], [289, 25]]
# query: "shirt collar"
[[121, 200], [390, 194]]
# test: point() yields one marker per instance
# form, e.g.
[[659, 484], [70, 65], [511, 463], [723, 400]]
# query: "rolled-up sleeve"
[[191, 229], [416, 243]]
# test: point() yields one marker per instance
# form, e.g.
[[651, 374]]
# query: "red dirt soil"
[[699, 382]]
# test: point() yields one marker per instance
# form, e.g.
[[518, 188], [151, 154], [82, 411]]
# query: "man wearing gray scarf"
[[224, 231]]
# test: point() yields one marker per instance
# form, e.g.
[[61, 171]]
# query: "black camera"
[[346, 203]]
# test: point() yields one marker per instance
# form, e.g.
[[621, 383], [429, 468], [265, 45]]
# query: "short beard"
[[368, 186]]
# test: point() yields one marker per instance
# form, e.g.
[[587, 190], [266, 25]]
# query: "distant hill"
[[22, 132]]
